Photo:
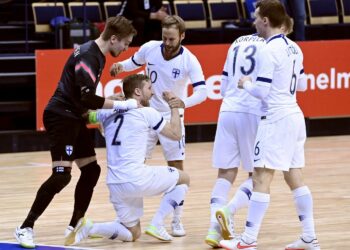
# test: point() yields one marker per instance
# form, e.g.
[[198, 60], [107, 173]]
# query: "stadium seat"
[[222, 11], [345, 6], [323, 11], [44, 12], [248, 9], [112, 8], [93, 11], [192, 12]]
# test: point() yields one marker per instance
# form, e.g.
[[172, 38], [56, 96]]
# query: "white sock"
[[112, 230], [178, 212], [168, 204], [241, 197], [259, 202], [304, 206], [218, 199]]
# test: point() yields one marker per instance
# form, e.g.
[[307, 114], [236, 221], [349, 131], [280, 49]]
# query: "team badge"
[[69, 150], [176, 73]]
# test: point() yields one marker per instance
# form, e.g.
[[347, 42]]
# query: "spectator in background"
[[296, 9], [146, 16]]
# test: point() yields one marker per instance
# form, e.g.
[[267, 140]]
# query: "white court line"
[[58, 246]]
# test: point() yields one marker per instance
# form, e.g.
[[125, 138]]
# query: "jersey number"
[[249, 55], [119, 118], [293, 82], [152, 75], [257, 149]]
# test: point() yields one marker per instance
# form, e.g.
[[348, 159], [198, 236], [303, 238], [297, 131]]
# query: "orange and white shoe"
[[238, 244]]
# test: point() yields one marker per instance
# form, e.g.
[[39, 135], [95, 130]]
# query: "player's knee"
[[57, 181], [184, 178], [294, 179], [91, 172], [228, 174]]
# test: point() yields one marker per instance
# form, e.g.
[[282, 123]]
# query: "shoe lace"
[[26, 233], [177, 225]]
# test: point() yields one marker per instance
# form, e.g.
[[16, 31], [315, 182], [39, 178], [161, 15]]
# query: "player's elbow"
[[91, 101], [302, 84], [175, 135]]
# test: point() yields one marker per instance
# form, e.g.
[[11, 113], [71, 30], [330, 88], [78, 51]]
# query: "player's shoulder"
[[253, 38], [189, 57], [87, 51], [184, 51], [152, 44]]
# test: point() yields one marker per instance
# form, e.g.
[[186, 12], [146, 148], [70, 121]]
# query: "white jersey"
[[241, 61], [167, 75], [126, 138], [280, 67]]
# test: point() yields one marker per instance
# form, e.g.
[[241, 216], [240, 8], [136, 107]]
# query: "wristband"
[[93, 117]]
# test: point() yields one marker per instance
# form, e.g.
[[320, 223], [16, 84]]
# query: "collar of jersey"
[[275, 37], [180, 51]]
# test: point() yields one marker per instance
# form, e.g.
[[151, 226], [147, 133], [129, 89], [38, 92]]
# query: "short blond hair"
[[176, 21]]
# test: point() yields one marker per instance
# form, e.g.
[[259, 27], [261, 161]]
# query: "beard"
[[171, 50], [145, 103]]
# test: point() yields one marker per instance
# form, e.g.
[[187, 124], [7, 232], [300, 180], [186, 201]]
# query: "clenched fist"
[[115, 69]]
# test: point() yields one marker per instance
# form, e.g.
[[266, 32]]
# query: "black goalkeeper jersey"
[[83, 69]]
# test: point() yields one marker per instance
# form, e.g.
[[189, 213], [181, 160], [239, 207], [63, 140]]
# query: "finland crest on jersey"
[[69, 150], [168, 75]]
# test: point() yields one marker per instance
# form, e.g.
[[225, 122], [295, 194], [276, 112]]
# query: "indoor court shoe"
[[69, 229], [80, 232], [301, 244], [213, 238], [226, 223], [177, 229], [159, 233], [237, 244], [25, 236]]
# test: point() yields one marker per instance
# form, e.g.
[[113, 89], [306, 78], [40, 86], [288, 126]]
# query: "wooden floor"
[[327, 174]]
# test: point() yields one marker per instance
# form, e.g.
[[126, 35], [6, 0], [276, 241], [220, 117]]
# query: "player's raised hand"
[[167, 95], [117, 97], [242, 80], [173, 100], [115, 69]]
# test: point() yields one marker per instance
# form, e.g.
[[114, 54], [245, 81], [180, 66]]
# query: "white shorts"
[[127, 198], [172, 150], [279, 145], [234, 140]]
